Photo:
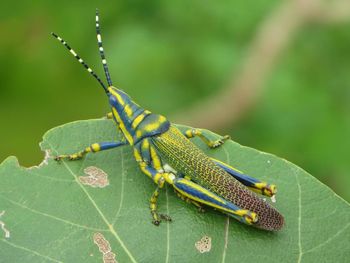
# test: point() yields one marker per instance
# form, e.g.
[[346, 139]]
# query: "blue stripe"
[[121, 111], [200, 195], [244, 179], [109, 145]]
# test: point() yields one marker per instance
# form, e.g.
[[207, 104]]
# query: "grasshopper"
[[166, 155]]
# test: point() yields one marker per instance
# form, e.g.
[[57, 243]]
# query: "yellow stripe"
[[122, 127], [203, 190], [240, 212], [155, 159], [138, 134], [155, 125], [224, 164], [137, 155], [145, 171], [145, 145], [118, 97], [128, 110], [138, 120]]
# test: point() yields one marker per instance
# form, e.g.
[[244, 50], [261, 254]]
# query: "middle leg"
[[150, 164], [190, 133]]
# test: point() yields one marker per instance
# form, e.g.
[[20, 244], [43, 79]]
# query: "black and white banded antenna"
[[101, 50], [81, 61]]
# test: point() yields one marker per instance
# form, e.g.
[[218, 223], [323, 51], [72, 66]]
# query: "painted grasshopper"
[[166, 155]]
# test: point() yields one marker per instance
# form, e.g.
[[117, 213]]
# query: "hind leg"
[[251, 182]]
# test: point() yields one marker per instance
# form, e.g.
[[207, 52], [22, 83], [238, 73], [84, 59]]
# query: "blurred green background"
[[170, 55]]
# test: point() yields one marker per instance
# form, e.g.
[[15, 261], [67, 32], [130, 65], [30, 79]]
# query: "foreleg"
[[95, 147]]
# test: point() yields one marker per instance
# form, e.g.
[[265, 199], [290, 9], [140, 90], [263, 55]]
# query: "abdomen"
[[189, 160]]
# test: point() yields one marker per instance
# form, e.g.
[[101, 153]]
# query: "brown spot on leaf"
[[203, 245], [2, 225], [96, 177], [105, 248]]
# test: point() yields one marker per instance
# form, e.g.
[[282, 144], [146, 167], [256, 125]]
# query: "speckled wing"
[[187, 158]]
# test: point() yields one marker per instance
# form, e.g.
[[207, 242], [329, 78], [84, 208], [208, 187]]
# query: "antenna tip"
[[97, 16], [53, 34]]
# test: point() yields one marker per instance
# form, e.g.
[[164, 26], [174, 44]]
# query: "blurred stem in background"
[[272, 37]]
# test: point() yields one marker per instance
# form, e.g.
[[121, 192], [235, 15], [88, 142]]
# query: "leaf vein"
[[122, 187], [168, 227], [299, 218], [51, 216], [329, 239], [48, 177], [30, 251], [227, 224]]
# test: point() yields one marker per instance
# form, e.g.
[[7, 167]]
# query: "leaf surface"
[[52, 217]]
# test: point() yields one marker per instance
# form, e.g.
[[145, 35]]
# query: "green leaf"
[[52, 217]]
